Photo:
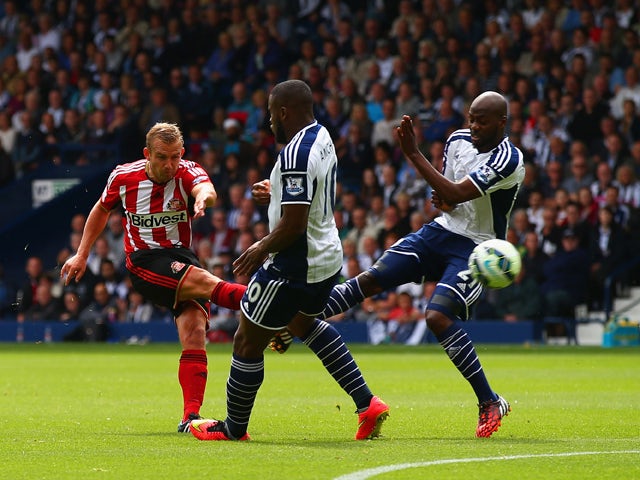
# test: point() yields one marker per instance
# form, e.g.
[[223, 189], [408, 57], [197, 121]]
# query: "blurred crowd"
[[100, 73]]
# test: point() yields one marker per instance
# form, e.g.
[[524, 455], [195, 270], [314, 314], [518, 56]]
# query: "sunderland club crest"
[[175, 204], [177, 266]]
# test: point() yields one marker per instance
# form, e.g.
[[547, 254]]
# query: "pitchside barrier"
[[485, 331]]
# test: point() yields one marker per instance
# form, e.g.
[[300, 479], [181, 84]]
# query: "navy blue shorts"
[[157, 273], [431, 254], [272, 301]]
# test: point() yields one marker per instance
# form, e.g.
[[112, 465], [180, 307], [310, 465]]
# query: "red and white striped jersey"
[[155, 215]]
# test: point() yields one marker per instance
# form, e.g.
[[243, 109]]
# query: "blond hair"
[[166, 132]]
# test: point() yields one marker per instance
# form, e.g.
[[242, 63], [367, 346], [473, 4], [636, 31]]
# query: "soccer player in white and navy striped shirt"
[[482, 173], [297, 264]]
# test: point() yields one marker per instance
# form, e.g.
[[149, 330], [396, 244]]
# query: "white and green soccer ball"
[[495, 263]]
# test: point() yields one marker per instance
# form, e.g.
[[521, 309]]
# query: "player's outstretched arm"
[[205, 196], [451, 193], [76, 265]]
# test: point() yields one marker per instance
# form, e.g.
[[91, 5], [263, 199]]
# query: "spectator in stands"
[[359, 228], [96, 318], [138, 310], [402, 318], [83, 98], [71, 307], [113, 234], [534, 256], [375, 209], [101, 251], [607, 251], [553, 178], [586, 121], [389, 226], [50, 134], [355, 156], [579, 175], [566, 275], [588, 206], [445, 122], [521, 300], [383, 128], [98, 139], [45, 306], [370, 252], [615, 151], [123, 131], [389, 184], [196, 105], [10, 21], [629, 91], [113, 280], [235, 144], [629, 124], [535, 210], [628, 186], [72, 133], [621, 212], [576, 224], [222, 237], [520, 224], [7, 143], [604, 178], [29, 148]]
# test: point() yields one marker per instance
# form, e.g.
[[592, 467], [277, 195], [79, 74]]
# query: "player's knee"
[[443, 308], [245, 347], [369, 284], [300, 326], [192, 329], [437, 321], [193, 338]]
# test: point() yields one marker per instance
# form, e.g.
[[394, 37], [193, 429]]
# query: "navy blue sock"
[[342, 298], [459, 347], [327, 344], [245, 378]]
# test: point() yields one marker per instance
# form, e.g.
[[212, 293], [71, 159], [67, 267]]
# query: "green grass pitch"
[[110, 412]]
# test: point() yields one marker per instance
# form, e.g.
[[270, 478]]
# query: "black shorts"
[[272, 301], [157, 273]]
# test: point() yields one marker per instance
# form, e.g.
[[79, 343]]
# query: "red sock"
[[228, 295], [192, 375]]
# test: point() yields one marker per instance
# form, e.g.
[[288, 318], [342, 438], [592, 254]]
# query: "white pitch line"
[[370, 472]]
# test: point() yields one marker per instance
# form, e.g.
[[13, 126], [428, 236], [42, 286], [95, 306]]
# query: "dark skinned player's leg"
[[342, 298], [325, 341], [246, 374], [443, 307]]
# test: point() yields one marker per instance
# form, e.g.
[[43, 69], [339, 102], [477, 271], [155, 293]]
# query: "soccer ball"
[[495, 263]]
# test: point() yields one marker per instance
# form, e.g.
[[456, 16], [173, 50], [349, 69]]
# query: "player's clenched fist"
[[261, 192]]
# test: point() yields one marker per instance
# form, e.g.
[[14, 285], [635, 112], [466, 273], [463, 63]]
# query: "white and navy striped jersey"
[[156, 216], [305, 173], [497, 174]]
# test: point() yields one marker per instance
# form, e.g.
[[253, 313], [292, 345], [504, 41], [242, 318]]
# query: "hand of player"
[[407, 137], [74, 267], [250, 260], [439, 204], [261, 192], [199, 207]]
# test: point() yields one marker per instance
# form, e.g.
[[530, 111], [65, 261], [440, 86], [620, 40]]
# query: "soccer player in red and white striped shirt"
[[160, 195]]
